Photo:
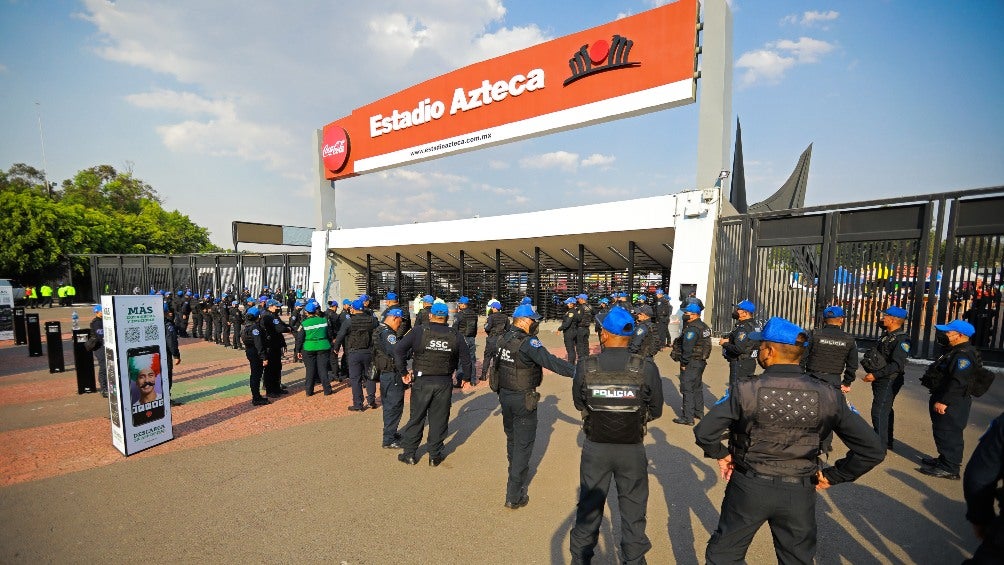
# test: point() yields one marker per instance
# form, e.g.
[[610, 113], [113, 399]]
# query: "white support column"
[[696, 216], [321, 273], [714, 112]]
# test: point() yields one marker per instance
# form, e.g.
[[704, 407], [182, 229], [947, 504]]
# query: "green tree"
[[99, 210]]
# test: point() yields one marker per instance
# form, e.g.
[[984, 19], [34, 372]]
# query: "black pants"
[[237, 336], [582, 342], [207, 332], [788, 508], [99, 357], [226, 334], [491, 343], [431, 397], [627, 465], [991, 550], [196, 326], [570, 341], [692, 389], [273, 372], [392, 398], [884, 393], [316, 364], [520, 427], [360, 361], [257, 371], [947, 429]]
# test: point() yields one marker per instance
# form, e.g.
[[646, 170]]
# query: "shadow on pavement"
[[211, 419], [548, 415], [681, 475], [469, 418]]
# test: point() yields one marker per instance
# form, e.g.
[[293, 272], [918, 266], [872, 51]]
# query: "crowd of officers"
[[767, 432]]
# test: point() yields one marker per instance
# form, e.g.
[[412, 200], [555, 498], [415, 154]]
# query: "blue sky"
[[215, 103]]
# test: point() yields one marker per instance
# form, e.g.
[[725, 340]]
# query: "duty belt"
[[804, 481]]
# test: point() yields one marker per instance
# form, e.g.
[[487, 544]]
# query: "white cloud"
[[769, 65], [811, 18], [497, 165], [598, 160], [555, 160]]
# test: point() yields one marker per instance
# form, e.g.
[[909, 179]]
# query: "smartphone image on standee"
[[145, 384]]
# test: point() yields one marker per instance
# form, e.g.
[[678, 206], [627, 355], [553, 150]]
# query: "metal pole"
[[463, 273], [630, 284], [582, 272], [45, 178], [428, 272]]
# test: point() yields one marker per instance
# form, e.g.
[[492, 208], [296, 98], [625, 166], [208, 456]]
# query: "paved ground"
[[303, 480]]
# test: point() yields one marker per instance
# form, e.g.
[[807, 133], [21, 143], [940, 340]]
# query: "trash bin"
[[54, 343], [83, 360], [34, 335], [20, 332]]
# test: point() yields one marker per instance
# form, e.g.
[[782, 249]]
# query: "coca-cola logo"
[[335, 148]]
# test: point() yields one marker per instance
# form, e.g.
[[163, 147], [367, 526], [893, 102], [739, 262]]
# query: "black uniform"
[[645, 341], [237, 321], [741, 351], [569, 329], [229, 312], [955, 370], [981, 486], [438, 351], [663, 310], [273, 328], [466, 322], [618, 394], [173, 351], [585, 323], [296, 316], [494, 326], [196, 305], [832, 353], [219, 318], [256, 353], [887, 363], [695, 348], [422, 317], [520, 360], [775, 458], [601, 312], [357, 337], [405, 317], [98, 331], [391, 386]]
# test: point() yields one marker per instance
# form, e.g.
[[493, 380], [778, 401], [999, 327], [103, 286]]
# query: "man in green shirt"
[[316, 340]]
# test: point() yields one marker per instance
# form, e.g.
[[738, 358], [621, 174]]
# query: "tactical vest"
[[650, 343], [828, 351], [585, 316], [247, 338], [702, 347], [513, 372], [496, 324], [879, 356], [315, 334], [468, 325], [436, 352], [782, 421], [383, 362], [616, 411], [360, 333]]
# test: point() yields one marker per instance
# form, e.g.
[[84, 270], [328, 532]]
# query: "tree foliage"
[[99, 210]]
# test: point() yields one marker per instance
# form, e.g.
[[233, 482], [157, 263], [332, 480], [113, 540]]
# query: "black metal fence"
[[939, 256], [215, 273]]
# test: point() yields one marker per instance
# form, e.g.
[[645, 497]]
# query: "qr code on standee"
[[132, 335], [151, 333]]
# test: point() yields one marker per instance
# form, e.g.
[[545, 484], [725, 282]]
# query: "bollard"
[[54, 343], [20, 332], [83, 360], [34, 335]]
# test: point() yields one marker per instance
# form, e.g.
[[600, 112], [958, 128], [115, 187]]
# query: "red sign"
[[335, 148], [628, 67]]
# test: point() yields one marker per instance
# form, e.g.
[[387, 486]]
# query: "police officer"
[[422, 317], [357, 337], [207, 316], [256, 353], [98, 335], [886, 363], [312, 334], [272, 327], [949, 381], [645, 341], [737, 348], [230, 312], [296, 316], [392, 303], [391, 387], [776, 423], [618, 394], [173, 351], [832, 351], [584, 322], [343, 361], [663, 310], [494, 326], [692, 351], [601, 312], [981, 486], [196, 317], [438, 351], [238, 324], [569, 329], [466, 323], [520, 360]]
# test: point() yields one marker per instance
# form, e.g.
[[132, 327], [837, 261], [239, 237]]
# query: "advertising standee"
[[138, 393]]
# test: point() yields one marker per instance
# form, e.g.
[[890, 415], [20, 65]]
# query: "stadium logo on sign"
[[599, 57]]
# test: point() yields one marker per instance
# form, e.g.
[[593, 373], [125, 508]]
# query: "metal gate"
[[938, 256]]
